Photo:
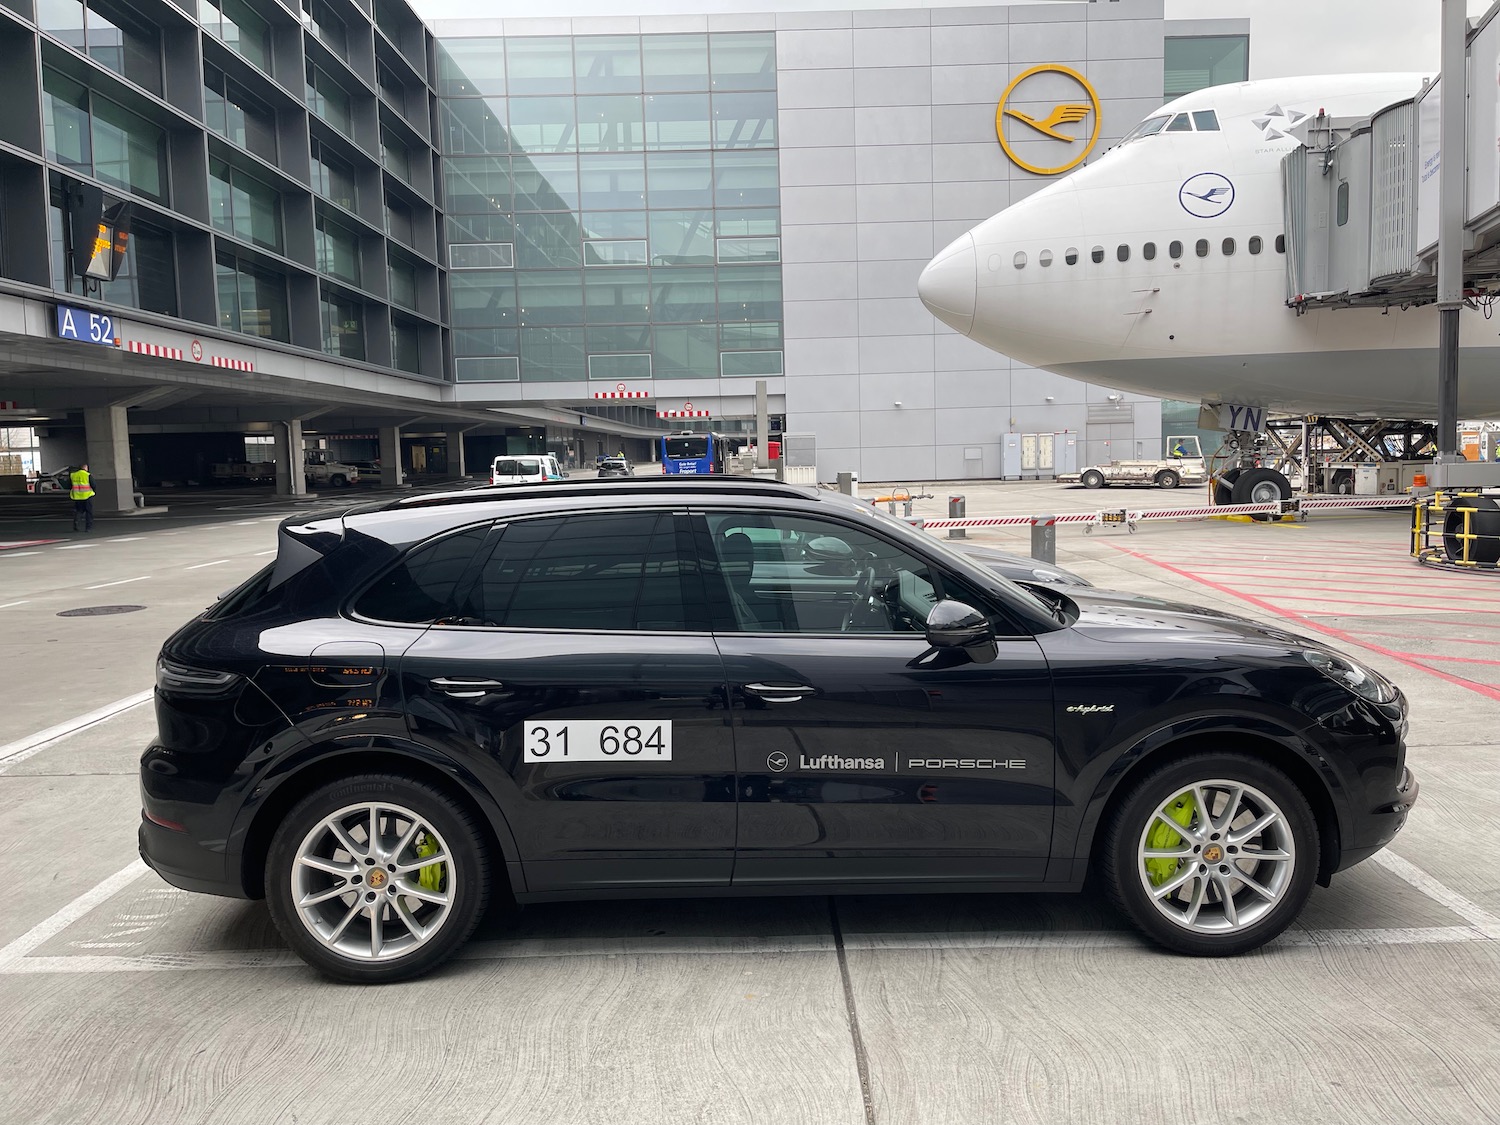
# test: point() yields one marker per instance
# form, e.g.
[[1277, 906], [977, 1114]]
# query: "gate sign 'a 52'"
[[85, 327]]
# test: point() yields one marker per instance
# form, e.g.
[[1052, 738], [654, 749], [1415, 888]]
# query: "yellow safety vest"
[[80, 489]]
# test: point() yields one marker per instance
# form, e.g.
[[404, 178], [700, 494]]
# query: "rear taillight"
[[181, 679], [154, 819]]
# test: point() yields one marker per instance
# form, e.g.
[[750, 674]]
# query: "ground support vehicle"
[[1164, 472], [723, 685], [244, 472], [321, 472]]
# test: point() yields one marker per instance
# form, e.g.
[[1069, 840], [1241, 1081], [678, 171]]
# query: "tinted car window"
[[423, 588], [630, 570], [791, 574], [506, 468]]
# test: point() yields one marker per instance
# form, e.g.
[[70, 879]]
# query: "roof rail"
[[488, 494]]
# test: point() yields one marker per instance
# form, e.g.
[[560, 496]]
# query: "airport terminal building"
[[335, 223]]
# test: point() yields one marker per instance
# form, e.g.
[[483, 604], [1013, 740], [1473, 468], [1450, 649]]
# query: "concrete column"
[[457, 467], [290, 480], [391, 475], [107, 440]]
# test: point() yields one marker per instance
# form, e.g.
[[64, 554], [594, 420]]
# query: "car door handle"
[[462, 688], [779, 693]]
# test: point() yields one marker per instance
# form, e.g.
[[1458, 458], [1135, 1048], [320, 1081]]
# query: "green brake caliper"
[[1162, 837], [433, 874]]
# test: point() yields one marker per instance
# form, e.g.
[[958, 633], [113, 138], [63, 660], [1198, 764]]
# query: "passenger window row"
[[1175, 249], [664, 572]]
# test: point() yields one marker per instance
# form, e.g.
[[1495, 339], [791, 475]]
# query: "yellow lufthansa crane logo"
[[1053, 124]]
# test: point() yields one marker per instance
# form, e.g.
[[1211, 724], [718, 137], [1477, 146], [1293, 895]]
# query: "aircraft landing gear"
[[1249, 482]]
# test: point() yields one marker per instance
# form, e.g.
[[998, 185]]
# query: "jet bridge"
[[1361, 196]]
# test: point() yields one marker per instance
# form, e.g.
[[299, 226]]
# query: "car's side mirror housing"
[[954, 625]]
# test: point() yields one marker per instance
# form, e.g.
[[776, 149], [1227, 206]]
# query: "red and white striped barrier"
[[622, 394], [1126, 517], [233, 364], [683, 414], [160, 351]]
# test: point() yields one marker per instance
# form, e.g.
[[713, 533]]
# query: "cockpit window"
[[1148, 127], [1182, 123], [1206, 120]]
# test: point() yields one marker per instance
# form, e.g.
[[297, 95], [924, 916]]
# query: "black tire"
[[1123, 866], [1484, 522], [339, 480], [1092, 478], [469, 876], [1224, 486], [1253, 485], [1168, 478]]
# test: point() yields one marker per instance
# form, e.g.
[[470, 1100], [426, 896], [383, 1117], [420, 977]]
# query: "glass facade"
[[613, 206], [1194, 62]]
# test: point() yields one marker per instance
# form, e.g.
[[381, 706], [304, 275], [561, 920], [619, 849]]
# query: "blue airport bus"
[[692, 454]]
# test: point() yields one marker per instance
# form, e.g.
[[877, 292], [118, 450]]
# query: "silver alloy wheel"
[[373, 882], [1265, 492], [1227, 867]]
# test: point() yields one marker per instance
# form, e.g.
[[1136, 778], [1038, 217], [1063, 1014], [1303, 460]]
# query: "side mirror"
[[954, 625]]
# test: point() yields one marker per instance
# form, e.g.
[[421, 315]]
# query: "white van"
[[525, 468]]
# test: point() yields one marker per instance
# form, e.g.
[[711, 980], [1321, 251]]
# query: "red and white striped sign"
[[622, 394], [683, 414], [7, 407], [160, 351], [235, 364]]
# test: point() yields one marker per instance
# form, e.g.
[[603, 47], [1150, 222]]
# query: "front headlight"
[[1362, 681]]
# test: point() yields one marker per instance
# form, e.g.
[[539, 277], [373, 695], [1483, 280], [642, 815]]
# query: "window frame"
[[682, 525], [1008, 625]]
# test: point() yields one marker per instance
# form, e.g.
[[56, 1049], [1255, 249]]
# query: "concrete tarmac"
[[127, 1001]]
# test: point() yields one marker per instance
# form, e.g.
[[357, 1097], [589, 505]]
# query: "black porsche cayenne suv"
[[682, 687]]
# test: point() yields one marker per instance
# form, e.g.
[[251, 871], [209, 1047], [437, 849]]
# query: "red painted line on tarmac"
[[1457, 659], [17, 544], [1307, 623], [1397, 595], [1324, 600], [1422, 581], [1446, 640]]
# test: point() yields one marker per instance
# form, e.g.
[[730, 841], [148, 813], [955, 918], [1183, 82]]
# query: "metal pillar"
[[106, 434], [391, 475], [958, 507], [1451, 172], [762, 427], [457, 466], [290, 479], [1044, 538]]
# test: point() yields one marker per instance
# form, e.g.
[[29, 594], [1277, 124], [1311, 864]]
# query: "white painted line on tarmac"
[[200, 566], [18, 554], [272, 551], [1471, 912], [118, 582], [75, 546], [7, 605], [23, 748], [732, 946], [57, 923], [128, 539]]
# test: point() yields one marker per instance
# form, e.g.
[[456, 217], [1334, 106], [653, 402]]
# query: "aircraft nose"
[[949, 283]]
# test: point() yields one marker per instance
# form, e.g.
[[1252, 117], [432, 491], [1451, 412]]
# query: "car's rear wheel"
[[1168, 478], [377, 878], [1212, 855]]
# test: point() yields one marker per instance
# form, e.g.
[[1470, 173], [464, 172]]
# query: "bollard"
[[957, 510], [1044, 538]]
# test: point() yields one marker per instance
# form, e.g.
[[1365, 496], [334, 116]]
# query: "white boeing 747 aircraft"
[[1160, 268]]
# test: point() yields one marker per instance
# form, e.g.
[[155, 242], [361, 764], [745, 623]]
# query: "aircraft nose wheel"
[[1260, 486]]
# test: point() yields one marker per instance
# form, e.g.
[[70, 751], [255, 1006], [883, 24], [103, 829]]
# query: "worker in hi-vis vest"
[[82, 493]]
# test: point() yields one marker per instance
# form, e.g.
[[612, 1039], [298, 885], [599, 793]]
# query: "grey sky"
[[1286, 36]]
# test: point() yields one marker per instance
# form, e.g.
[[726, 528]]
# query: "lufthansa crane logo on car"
[[1206, 195], [776, 762], [1072, 122]]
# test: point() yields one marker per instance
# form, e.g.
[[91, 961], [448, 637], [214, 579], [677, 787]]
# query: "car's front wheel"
[[1212, 855], [377, 878]]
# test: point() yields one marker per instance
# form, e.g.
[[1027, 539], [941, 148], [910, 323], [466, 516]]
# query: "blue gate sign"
[[85, 327]]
